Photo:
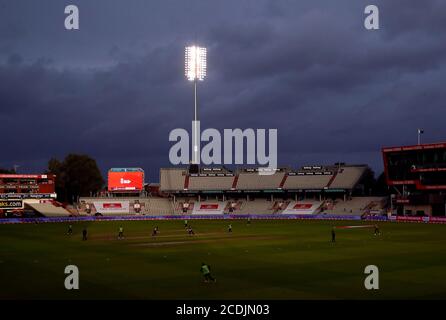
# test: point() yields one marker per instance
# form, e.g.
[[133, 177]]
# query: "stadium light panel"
[[195, 63]]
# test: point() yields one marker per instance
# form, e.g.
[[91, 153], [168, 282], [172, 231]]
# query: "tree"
[[55, 167], [77, 176]]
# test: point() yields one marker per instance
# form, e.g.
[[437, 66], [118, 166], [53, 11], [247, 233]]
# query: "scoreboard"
[[125, 179]]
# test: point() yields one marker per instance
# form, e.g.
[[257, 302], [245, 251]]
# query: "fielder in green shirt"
[[206, 272]]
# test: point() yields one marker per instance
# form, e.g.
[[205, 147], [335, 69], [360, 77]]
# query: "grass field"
[[279, 259]]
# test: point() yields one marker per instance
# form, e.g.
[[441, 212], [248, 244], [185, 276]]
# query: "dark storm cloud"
[[115, 89]]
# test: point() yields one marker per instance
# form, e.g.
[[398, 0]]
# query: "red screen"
[[125, 181]]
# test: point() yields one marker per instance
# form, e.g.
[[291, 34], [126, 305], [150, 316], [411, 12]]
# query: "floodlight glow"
[[195, 63], [195, 69]]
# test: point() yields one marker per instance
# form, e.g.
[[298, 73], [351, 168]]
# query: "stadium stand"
[[184, 206], [148, 205], [233, 206], [209, 207], [172, 179], [344, 177], [303, 207], [254, 181], [256, 206], [111, 206], [307, 190], [307, 180], [354, 206], [165, 206], [279, 206], [156, 206], [49, 209], [347, 177], [210, 182]]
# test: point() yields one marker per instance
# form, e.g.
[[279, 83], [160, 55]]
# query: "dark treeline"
[[78, 175]]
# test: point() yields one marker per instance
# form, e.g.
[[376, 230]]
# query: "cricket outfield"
[[269, 259]]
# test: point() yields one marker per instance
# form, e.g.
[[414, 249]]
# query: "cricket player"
[[230, 228], [84, 234], [121, 233], [333, 235], [206, 272], [377, 231], [70, 230]]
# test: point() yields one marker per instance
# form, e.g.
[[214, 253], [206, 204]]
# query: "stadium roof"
[[424, 146]]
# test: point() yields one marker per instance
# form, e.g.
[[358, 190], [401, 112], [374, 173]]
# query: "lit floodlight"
[[195, 69], [195, 63]]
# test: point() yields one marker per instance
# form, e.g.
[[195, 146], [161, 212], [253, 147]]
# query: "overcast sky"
[[115, 88]]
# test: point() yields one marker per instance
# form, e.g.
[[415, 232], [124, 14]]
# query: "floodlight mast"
[[195, 70]]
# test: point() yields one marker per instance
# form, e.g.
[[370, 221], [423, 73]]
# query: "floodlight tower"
[[195, 70]]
